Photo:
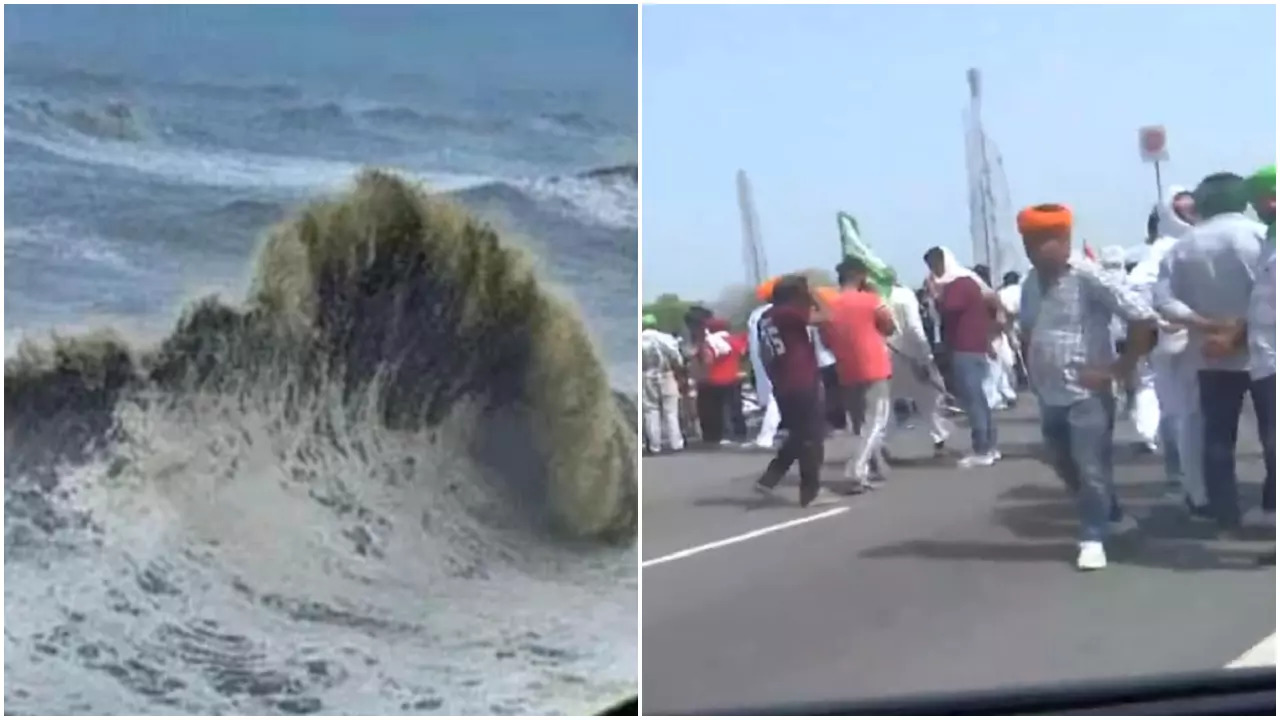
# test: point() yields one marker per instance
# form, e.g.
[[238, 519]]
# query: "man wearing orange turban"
[[1072, 366]]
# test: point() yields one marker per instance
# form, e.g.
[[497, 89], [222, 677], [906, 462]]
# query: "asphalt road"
[[943, 580]]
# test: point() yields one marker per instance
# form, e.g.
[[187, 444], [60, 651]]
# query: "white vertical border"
[[639, 359]]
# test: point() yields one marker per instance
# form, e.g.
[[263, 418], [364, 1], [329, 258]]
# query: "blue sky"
[[859, 108]]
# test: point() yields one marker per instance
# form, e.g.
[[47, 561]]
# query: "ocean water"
[[206, 515]]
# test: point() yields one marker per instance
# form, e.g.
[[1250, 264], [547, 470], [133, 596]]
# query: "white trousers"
[[875, 430], [1146, 403], [661, 403], [927, 398], [766, 400], [999, 384]]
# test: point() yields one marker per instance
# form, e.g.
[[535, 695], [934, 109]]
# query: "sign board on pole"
[[1152, 144]]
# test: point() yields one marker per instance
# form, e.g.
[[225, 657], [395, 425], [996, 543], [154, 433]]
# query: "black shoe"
[[1268, 558], [1197, 512], [807, 496]]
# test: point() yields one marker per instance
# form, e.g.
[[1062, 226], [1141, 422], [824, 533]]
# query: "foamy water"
[[374, 572], [228, 551]]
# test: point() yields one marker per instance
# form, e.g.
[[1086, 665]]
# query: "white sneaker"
[[972, 461], [1092, 556], [757, 443], [823, 498], [996, 455]]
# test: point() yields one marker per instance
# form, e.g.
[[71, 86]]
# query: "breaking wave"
[[338, 117], [399, 430], [113, 120]]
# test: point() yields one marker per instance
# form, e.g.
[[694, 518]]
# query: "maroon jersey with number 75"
[[787, 349]]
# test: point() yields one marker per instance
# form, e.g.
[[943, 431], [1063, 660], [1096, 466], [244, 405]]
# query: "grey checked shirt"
[[1070, 328]]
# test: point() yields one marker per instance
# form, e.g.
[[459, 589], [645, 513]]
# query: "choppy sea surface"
[[206, 556]]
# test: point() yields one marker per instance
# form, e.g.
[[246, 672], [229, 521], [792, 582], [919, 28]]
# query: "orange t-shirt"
[[862, 354]]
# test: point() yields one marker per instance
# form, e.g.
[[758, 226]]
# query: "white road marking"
[[1261, 655], [739, 538]]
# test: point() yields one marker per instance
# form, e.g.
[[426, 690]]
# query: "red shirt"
[[966, 319], [862, 355], [789, 355], [723, 369]]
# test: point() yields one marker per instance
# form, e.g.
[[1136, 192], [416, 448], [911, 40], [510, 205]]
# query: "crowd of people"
[[1180, 331]]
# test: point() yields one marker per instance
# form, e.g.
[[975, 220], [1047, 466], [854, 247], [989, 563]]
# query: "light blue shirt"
[[1210, 273]]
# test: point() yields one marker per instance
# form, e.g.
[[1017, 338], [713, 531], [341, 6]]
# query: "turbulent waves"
[[395, 479]]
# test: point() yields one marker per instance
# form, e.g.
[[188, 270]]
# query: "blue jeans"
[[1078, 438], [1221, 400], [969, 371]]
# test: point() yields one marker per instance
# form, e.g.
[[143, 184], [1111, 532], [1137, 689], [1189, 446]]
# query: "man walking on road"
[[856, 328], [764, 390], [1072, 365], [1010, 296], [966, 305], [1181, 429], [662, 363], [792, 367], [914, 377]]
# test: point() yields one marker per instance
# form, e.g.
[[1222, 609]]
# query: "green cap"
[[649, 321]]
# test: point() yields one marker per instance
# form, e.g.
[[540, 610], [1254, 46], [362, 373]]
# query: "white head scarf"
[[1113, 257], [952, 270], [1170, 225], [1112, 261], [1169, 229]]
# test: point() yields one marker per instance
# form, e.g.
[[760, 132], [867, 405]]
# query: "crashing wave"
[[385, 303]]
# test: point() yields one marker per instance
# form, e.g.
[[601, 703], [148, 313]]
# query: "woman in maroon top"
[[965, 305], [792, 365]]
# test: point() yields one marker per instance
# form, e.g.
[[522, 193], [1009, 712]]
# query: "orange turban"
[[1044, 218], [827, 294], [764, 291]]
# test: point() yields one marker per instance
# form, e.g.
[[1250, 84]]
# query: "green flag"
[[851, 245]]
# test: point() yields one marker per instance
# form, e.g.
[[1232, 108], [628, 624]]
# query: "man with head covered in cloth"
[[1072, 364], [1181, 429], [967, 306]]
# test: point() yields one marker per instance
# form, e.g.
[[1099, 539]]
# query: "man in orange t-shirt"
[[857, 323]]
